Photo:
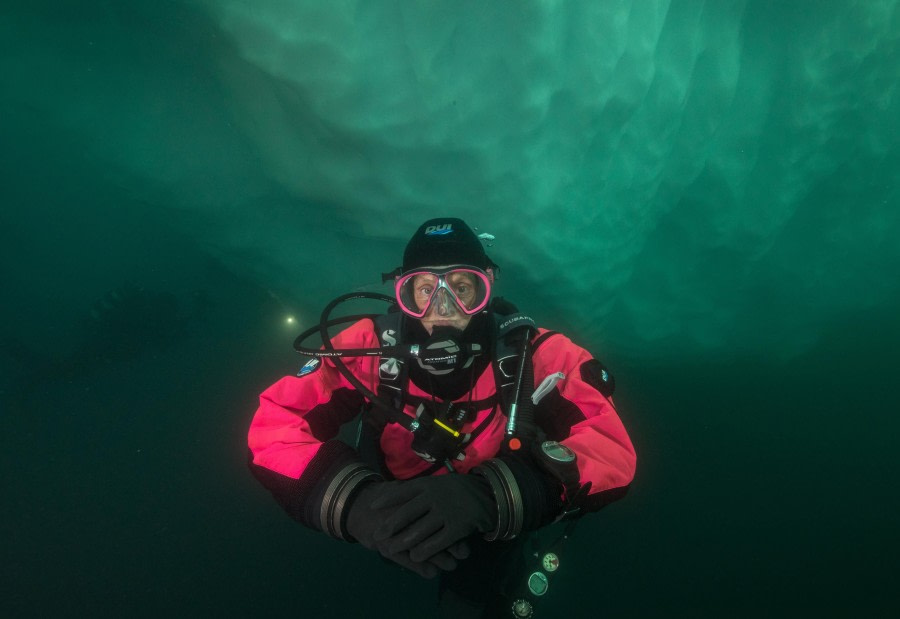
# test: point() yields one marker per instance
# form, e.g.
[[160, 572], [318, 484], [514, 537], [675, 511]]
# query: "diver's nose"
[[443, 304]]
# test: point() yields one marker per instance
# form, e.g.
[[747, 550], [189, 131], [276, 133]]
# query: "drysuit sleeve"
[[580, 414], [293, 449], [531, 488]]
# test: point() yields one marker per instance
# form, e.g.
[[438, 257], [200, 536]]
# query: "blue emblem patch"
[[309, 367], [597, 376]]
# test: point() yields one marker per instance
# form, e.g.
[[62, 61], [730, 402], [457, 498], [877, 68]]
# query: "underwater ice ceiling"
[[660, 177]]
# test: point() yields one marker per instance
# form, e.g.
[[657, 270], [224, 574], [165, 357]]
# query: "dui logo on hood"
[[439, 230]]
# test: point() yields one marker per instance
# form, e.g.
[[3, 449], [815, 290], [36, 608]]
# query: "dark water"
[[132, 351], [763, 489]]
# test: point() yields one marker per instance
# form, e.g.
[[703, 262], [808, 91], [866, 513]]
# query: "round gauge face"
[[522, 608], [557, 451], [538, 583], [550, 562]]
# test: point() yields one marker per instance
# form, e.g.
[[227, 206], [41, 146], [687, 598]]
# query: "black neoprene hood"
[[444, 241]]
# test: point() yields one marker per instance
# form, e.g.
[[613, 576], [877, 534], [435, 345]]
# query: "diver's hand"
[[446, 560], [430, 514], [363, 519]]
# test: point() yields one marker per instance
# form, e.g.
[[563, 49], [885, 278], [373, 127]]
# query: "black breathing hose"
[[521, 414], [335, 355]]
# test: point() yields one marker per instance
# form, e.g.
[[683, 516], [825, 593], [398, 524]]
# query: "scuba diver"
[[477, 429]]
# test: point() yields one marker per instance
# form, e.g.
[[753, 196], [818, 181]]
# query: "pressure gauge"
[[538, 583], [557, 452]]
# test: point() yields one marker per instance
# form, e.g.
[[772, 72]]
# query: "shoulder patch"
[[597, 376], [309, 367]]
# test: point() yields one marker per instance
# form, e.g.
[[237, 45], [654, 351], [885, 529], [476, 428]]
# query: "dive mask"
[[468, 287]]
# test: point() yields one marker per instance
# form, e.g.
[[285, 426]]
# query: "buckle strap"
[[475, 405]]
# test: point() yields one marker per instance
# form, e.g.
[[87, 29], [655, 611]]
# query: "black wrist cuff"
[[507, 496], [326, 486], [333, 509], [541, 493]]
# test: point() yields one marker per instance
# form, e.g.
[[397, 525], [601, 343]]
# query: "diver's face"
[[444, 311]]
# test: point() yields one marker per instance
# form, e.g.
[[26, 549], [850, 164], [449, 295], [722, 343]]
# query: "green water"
[[704, 194]]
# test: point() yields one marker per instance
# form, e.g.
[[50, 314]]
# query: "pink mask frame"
[[407, 305]]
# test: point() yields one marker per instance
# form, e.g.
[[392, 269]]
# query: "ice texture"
[[661, 178]]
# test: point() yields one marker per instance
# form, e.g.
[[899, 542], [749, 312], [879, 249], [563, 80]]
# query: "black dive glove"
[[431, 514], [366, 514]]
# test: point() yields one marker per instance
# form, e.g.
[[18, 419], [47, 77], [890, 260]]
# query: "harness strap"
[[511, 327], [476, 405], [543, 337]]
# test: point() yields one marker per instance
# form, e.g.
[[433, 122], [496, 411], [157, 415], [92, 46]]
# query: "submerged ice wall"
[[692, 173], [660, 177]]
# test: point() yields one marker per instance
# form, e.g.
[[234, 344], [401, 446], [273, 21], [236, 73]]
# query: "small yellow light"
[[290, 320], [447, 428]]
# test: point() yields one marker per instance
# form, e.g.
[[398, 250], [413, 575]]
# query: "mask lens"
[[469, 288]]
